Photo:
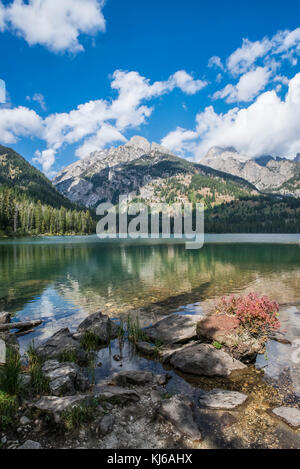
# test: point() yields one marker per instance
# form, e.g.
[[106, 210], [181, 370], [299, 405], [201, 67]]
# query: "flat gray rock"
[[137, 378], [221, 399], [205, 360], [105, 425], [115, 394], [61, 342], [174, 329], [29, 444], [65, 378], [56, 405], [290, 415], [181, 412], [100, 325]]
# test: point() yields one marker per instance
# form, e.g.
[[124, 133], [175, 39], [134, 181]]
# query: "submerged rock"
[[235, 339], [65, 378], [115, 394], [99, 325], [290, 415], [62, 344], [221, 399], [205, 360], [146, 348], [138, 378], [174, 329], [181, 412]]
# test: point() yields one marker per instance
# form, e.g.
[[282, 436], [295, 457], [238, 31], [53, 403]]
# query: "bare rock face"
[[290, 415], [99, 325], [181, 412], [266, 172], [105, 425], [29, 444], [60, 343], [205, 360], [221, 399], [227, 330], [65, 378], [174, 329]]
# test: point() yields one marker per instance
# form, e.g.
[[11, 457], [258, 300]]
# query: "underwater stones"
[[138, 378]]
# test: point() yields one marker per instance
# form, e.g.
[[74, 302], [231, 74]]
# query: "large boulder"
[[205, 360], [228, 331], [221, 399], [181, 412], [62, 344], [174, 329], [65, 378], [99, 325]]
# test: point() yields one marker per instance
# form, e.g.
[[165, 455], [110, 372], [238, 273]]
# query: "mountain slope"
[[149, 172], [17, 173], [268, 174]]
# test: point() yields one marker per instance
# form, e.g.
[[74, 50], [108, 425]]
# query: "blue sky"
[[142, 67]]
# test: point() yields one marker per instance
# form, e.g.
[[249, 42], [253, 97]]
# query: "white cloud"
[[2, 11], [18, 122], [179, 140], [268, 126], [244, 57], [248, 87], [97, 123], [215, 61], [39, 98], [55, 24]]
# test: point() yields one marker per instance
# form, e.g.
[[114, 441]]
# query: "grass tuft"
[[89, 341], [10, 378], [77, 416], [39, 383], [8, 406]]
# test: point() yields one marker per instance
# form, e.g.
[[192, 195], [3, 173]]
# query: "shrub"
[[257, 314], [10, 378], [8, 405]]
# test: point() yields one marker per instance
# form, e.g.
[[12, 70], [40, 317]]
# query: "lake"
[[62, 279]]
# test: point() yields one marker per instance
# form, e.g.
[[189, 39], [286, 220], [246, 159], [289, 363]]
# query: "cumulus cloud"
[[244, 57], [179, 141], [248, 87], [19, 122], [215, 61], [270, 125], [55, 24], [96, 123]]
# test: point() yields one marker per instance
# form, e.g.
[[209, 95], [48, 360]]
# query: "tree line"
[[20, 215]]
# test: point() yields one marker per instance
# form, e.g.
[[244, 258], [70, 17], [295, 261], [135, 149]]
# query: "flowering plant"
[[258, 314]]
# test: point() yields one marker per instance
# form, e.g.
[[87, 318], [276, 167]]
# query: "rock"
[[205, 360], [181, 412], [117, 358], [146, 348], [155, 396], [174, 329], [56, 405], [290, 415], [220, 399], [10, 340], [5, 318], [100, 325], [24, 420], [29, 444], [65, 378], [138, 378], [25, 379], [236, 340], [3, 440], [115, 394], [105, 425], [61, 342]]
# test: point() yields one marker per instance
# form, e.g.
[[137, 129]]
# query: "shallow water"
[[61, 280]]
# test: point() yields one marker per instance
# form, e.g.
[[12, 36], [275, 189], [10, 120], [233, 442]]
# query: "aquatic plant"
[[89, 341], [134, 331], [258, 314], [69, 355]]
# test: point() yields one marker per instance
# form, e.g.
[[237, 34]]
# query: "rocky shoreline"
[[232, 407]]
